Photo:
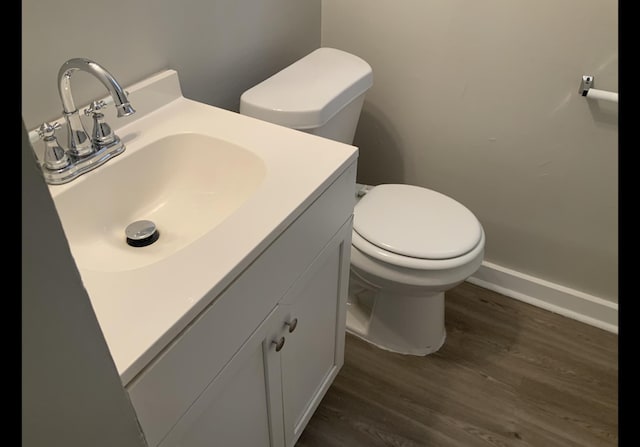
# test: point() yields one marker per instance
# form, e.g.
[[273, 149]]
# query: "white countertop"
[[140, 311]]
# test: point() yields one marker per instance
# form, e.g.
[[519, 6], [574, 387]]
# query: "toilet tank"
[[322, 94]]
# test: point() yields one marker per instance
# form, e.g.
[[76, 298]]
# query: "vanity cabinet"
[[314, 314], [238, 407], [268, 391], [251, 369]]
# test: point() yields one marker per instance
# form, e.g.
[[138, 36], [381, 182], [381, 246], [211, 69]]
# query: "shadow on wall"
[[380, 154], [605, 113]]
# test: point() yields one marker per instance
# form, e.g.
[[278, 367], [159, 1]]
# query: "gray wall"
[[219, 47], [71, 390], [479, 100]]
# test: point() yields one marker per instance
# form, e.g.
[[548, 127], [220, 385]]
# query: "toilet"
[[410, 244]]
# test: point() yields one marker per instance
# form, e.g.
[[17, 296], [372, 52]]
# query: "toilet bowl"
[[410, 244]]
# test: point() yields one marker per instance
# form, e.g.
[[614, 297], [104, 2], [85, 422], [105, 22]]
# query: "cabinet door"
[[314, 352], [242, 406]]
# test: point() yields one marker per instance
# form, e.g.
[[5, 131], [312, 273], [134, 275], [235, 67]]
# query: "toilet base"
[[405, 324], [399, 350]]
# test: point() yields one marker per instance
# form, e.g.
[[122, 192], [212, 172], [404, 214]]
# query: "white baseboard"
[[562, 300]]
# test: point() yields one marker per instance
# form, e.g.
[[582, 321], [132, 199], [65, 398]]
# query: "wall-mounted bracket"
[[585, 85]]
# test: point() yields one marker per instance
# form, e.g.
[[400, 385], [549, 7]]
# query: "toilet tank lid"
[[309, 92]]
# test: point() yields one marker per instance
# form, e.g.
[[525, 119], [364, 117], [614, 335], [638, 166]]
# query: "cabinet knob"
[[292, 324], [279, 343]]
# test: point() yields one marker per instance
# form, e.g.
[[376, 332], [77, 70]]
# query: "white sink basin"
[[186, 184], [220, 187]]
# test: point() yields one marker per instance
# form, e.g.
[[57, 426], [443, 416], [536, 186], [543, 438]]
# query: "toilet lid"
[[417, 222]]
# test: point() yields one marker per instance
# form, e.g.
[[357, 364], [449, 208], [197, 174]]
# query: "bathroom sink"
[[185, 184], [220, 188]]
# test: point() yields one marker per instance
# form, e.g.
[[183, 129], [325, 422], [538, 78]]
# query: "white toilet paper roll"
[[602, 94]]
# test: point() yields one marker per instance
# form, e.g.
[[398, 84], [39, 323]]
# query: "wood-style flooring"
[[509, 374]]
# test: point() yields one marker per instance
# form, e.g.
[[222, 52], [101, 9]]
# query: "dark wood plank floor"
[[509, 374]]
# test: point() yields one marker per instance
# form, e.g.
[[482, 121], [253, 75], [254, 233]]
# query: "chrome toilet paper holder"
[[586, 90]]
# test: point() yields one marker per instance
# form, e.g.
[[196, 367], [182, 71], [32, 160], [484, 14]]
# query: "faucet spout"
[[79, 142], [89, 66]]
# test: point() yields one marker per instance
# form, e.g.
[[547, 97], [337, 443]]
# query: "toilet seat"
[[415, 227]]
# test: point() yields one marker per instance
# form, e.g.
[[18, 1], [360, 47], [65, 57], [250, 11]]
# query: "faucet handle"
[[94, 107], [55, 156], [102, 134], [47, 130]]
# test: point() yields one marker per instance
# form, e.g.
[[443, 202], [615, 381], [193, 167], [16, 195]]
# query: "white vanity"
[[230, 336], [251, 369]]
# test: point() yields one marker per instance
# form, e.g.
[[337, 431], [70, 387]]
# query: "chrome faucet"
[[84, 153], [79, 142]]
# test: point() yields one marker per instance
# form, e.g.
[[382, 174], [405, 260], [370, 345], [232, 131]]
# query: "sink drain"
[[141, 233]]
